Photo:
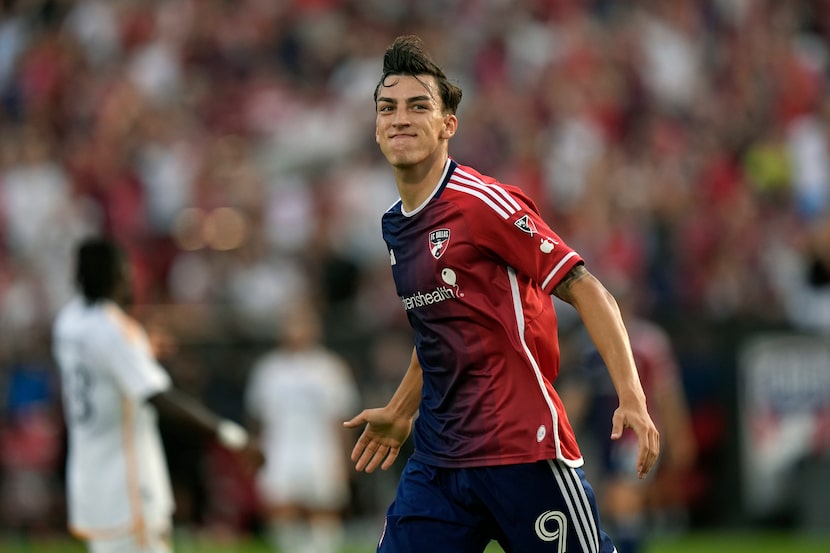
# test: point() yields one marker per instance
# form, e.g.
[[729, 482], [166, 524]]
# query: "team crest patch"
[[526, 224], [438, 241]]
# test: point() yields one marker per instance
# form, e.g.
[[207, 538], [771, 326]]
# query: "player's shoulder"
[[69, 312], [269, 365], [649, 338], [80, 316], [477, 191], [99, 325], [648, 330], [107, 323], [470, 175], [124, 323], [331, 359]]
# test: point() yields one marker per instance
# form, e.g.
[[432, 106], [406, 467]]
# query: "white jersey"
[[300, 400], [117, 478]]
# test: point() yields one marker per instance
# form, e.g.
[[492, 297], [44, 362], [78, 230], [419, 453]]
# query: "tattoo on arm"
[[564, 288]]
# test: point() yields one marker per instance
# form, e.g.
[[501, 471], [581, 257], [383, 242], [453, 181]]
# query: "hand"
[[381, 441], [647, 435], [251, 457]]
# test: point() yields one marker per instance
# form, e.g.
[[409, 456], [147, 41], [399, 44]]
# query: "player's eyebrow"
[[412, 100]]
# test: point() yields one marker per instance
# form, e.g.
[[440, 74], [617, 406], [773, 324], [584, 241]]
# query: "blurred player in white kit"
[[118, 486], [297, 396]]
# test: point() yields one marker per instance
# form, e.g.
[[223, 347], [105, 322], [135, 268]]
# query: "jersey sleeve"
[[125, 351], [519, 236]]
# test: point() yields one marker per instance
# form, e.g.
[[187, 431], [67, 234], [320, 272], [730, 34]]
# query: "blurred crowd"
[[682, 147]]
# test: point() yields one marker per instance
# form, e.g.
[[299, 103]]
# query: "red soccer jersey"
[[474, 268]]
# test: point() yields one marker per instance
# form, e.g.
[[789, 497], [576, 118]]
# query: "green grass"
[[743, 542], [731, 542]]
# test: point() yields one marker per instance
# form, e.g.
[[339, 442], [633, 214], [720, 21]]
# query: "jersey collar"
[[449, 168]]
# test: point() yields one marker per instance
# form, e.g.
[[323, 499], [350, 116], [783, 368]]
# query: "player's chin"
[[401, 158]]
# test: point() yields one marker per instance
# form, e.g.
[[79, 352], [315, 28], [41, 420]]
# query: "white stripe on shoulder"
[[472, 192], [498, 192]]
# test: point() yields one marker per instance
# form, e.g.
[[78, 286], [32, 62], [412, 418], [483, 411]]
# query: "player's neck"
[[416, 183]]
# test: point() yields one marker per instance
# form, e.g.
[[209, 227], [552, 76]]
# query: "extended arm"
[[601, 315], [387, 428], [180, 407]]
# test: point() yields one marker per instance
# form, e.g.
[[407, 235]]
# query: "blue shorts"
[[544, 506]]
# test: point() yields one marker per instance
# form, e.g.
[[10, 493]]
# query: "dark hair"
[[406, 56], [100, 268]]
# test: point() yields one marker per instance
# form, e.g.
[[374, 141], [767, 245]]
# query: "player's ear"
[[450, 126]]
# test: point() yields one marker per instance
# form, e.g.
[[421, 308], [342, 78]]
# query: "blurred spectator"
[[31, 441], [800, 266], [808, 143]]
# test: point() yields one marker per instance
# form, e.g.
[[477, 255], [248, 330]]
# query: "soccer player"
[[296, 396], [474, 266], [118, 486]]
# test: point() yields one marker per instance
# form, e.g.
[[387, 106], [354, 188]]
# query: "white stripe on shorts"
[[579, 508]]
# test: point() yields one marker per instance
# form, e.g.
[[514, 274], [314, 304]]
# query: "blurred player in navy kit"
[[118, 486], [474, 266], [629, 506]]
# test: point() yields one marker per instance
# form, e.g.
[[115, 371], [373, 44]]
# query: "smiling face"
[[411, 127]]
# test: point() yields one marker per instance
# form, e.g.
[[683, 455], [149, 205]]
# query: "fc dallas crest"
[[526, 224], [438, 241]]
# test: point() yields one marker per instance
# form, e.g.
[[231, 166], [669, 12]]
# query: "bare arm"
[[387, 428], [601, 315], [184, 409], [407, 397]]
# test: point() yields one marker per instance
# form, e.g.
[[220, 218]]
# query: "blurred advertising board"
[[784, 417]]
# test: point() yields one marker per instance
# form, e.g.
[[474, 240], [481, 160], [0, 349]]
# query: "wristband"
[[231, 435]]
